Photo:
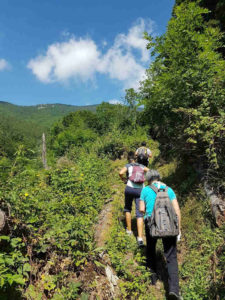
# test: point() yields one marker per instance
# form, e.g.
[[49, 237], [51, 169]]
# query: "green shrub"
[[53, 212]]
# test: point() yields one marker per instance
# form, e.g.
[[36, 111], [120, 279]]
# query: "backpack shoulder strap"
[[133, 164], [154, 188], [164, 189]]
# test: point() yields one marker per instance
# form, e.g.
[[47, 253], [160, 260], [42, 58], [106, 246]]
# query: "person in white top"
[[143, 154], [133, 175]]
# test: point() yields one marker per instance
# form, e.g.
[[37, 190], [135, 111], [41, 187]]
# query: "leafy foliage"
[[13, 133], [216, 12], [52, 215], [184, 92], [18, 146], [108, 132], [202, 254]]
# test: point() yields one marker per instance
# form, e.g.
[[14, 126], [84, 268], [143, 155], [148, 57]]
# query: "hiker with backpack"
[[143, 154], [162, 220], [133, 175]]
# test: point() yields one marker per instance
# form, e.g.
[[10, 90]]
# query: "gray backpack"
[[163, 221]]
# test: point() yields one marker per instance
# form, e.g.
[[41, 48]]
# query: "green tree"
[[111, 116], [75, 128], [184, 91], [132, 100]]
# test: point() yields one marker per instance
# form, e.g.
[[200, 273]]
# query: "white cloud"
[[115, 101], [81, 59], [122, 66], [73, 59], [4, 65], [134, 38]]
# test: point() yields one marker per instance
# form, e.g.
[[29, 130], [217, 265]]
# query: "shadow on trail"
[[162, 272]]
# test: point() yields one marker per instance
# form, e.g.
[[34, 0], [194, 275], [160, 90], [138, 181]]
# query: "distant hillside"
[[43, 114]]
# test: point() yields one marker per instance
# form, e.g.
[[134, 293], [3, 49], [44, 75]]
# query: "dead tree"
[[217, 205], [44, 157], [2, 220]]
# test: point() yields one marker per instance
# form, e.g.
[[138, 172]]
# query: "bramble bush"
[[52, 217], [204, 254]]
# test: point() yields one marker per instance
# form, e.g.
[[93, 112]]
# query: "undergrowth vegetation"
[[51, 213], [51, 217], [202, 269], [51, 235]]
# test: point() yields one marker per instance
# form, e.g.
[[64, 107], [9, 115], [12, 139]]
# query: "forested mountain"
[[43, 114]]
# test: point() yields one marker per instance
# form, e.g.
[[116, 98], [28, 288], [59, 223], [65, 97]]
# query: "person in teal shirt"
[[149, 196], [147, 202]]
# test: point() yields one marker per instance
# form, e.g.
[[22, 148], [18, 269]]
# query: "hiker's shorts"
[[130, 194]]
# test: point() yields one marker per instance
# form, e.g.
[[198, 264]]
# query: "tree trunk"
[[2, 220], [217, 205], [44, 158]]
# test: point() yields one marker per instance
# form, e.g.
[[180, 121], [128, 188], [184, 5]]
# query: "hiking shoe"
[[175, 296], [140, 243], [129, 232]]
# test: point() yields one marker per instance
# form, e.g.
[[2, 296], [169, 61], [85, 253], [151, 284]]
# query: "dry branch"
[[217, 205], [44, 156]]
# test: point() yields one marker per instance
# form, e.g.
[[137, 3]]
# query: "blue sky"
[[75, 52]]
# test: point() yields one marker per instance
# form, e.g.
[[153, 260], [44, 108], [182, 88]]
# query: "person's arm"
[[149, 152], [146, 169], [177, 211], [142, 206], [142, 202], [121, 174]]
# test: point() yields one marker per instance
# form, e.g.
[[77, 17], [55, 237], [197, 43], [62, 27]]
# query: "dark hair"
[[131, 155], [143, 143], [140, 160], [152, 175]]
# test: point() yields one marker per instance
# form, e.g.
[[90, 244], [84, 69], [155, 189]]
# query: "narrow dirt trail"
[[98, 277], [104, 224], [102, 228]]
